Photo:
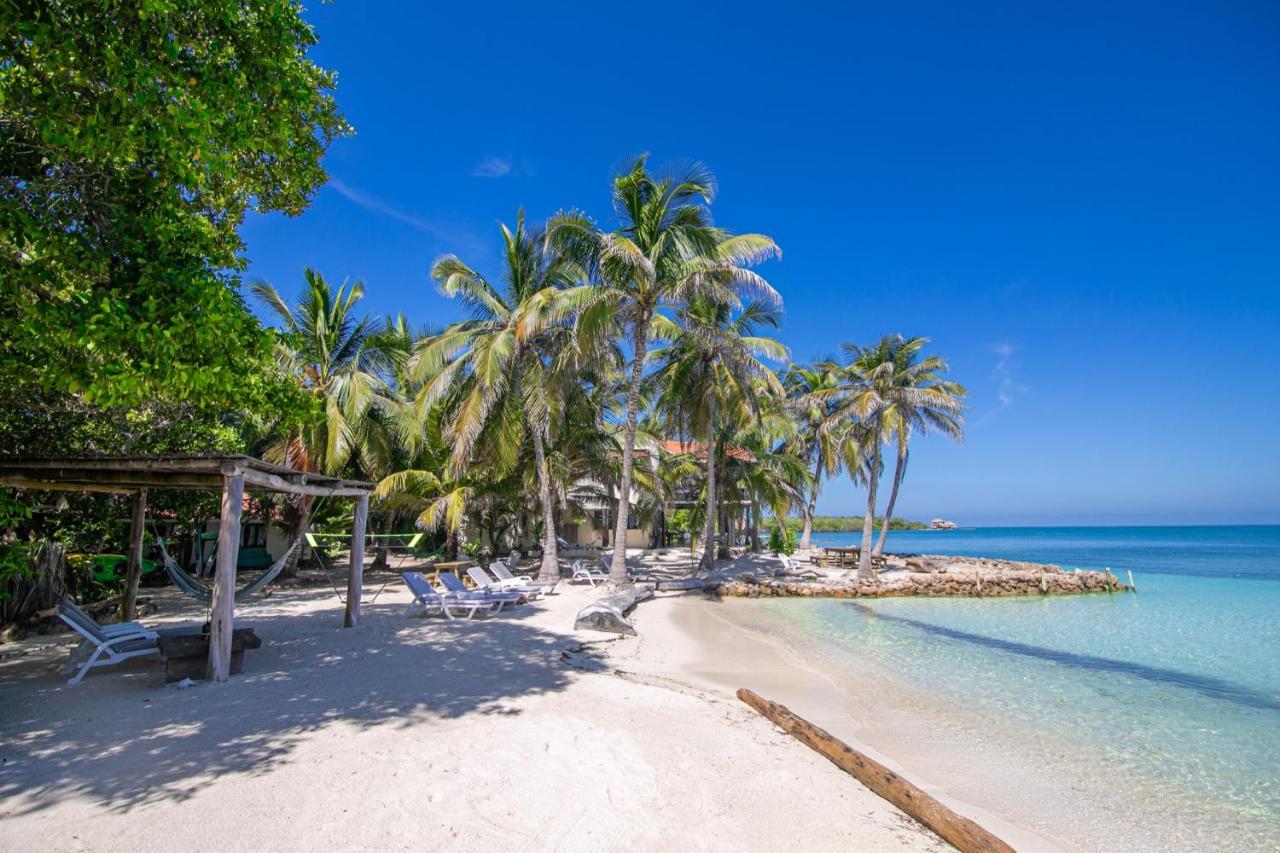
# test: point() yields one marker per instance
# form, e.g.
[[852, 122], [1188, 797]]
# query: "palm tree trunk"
[[868, 521], [618, 568], [806, 535], [550, 557], [898, 471], [709, 537], [300, 519], [755, 523]]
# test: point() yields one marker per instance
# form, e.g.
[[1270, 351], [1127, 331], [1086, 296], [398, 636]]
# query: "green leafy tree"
[[134, 137], [332, 353], [711, 376], [664, 252], [510, 358], [819, 436]]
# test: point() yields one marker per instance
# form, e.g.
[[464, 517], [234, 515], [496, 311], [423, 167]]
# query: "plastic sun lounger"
[[583, 572], [426, 597], [484, 582], [500, 569], [455, 587], [504, 575], [112, 643]]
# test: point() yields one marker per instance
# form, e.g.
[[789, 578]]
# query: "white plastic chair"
[[112, 643]]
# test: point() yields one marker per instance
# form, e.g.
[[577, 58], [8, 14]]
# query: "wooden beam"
[[276, 483], [355, 571], [129, 600], [222, 616], [964, 834]]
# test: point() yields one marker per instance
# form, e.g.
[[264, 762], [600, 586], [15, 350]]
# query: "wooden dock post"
[[1133, 587], [222, 616]]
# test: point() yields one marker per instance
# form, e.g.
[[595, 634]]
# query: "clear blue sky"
[[1080, 206]]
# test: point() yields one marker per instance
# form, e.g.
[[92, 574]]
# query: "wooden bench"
[[186, 651]]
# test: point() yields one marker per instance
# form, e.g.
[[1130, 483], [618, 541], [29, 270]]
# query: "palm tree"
[[508, 357], [664, 251], [819, 437], [332, 354], [877, 388], [937, 406], [711, 373]]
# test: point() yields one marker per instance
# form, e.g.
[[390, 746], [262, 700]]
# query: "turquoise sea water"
[[1174, 689]]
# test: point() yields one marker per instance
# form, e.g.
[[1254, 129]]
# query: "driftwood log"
[[959, 831], [609, 613]]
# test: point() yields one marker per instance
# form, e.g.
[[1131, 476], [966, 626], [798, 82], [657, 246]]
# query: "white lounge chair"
[[112, 644], [485, 582], [582, 572], [500, 569], [455, 587], [426, 597]]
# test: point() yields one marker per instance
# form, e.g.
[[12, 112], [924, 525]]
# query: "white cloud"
[[492, 167], [1008, 386], [454, 237]]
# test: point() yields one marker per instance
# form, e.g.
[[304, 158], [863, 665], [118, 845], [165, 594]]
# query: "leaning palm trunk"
[[708, 550], [550, 558], [618, 568], [898, 471], [806, 534], [868, 522], [300, 518]]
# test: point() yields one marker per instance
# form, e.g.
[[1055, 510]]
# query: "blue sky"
[[1079, 205]]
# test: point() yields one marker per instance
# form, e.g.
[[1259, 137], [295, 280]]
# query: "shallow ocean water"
[[1172, 692]]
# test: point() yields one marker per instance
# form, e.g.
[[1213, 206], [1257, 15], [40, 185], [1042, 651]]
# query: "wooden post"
[[129, 600], [222, 618], [959, 831], [355, 572]]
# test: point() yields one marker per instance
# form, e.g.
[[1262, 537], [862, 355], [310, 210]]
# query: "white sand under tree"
[[409, 732]]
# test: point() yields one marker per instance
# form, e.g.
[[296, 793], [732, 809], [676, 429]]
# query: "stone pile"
[[1042, 580]]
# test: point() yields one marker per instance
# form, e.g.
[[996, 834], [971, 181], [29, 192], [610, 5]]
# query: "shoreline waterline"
[[1035, 785], [713, 645]]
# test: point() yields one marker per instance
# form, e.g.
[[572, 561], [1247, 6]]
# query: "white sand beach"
[[413, 732]]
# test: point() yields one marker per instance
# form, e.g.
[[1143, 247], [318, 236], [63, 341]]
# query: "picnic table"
[[843, 555], [186, 650], [433, 570]]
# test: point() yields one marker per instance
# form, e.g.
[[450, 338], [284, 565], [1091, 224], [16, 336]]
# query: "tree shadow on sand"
[[124, 739]]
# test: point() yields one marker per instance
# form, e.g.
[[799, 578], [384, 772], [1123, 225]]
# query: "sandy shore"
[[409, 732]]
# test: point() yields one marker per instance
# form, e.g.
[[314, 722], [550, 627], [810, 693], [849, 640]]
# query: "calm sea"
[[1164, 705]]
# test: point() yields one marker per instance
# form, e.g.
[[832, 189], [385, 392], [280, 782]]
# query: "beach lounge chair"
[[426, 597], [111, 643], [486, 582], [582, 573], [500, 569], [456, 588]]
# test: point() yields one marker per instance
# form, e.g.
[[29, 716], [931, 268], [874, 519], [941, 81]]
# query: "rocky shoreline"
[[927, 575]]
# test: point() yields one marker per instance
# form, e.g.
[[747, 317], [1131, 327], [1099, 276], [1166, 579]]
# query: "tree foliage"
[[134, 136]]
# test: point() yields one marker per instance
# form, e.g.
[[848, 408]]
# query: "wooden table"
[[844, 555], [186, 651], [455, 566]]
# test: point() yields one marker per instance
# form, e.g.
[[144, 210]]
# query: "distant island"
[[848, 523]]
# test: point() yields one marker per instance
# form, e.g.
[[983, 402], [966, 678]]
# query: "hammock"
[[197, 590], [408, 541]]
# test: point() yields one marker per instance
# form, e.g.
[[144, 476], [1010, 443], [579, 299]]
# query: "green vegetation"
[[605, 375], [847, 523]]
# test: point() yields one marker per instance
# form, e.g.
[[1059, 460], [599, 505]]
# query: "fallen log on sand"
[[959, 831], [609, 613]]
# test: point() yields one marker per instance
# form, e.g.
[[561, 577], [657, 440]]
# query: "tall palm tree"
[[877, 387], [937, 407], [508, 357], [712, 374], [819, 437], [664, 251], [331, 352]]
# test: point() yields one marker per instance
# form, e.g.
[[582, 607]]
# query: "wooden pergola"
[[231, 474]]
